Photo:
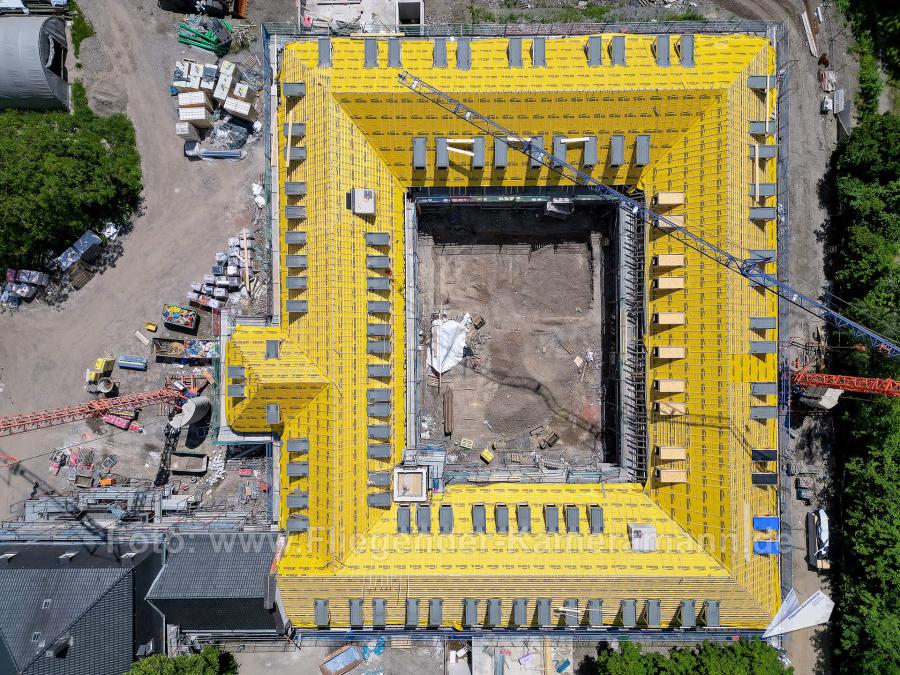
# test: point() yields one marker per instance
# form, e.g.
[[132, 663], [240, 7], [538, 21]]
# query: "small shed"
[[33, 63]]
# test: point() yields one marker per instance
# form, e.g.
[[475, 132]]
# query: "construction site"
[[500, 348]]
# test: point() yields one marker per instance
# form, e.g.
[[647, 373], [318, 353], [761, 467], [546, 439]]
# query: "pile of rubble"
[[218, 105], [232, 277]]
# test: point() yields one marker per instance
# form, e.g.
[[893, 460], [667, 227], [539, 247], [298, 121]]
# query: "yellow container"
[[93, 376], [104, 364], [487, 456], [150, 327]]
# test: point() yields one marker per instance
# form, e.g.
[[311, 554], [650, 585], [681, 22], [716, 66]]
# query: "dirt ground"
[[536, 364], [189, 211]]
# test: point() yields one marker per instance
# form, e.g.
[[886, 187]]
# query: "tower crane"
[[41, 419], [746, 267]]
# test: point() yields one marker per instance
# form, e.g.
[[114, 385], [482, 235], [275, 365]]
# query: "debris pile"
[[22, 284], [217, 106], [207, 33], [233, 276]]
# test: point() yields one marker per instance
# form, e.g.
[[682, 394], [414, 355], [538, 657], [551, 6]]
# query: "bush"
[[208, 662], [879, 20], [61, 174], [711, 658], [82, 29]]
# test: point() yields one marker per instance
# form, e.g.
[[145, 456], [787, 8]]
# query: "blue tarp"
[[766, 547], [764, 523]]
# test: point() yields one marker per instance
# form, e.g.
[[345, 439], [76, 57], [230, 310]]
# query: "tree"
[[708, 658], [210, 661], [61, 174]]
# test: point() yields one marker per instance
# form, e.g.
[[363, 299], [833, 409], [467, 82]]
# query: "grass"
[[870, 83], [82, 28]]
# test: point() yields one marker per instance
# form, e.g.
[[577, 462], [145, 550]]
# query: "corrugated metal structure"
[[32, 63], [674, 127]]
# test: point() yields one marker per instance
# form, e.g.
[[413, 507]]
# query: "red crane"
[[16, 424], [860, 385]]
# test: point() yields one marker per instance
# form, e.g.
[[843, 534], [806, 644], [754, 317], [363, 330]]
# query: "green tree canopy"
[[61, 174], [208, 662], [707, 658]]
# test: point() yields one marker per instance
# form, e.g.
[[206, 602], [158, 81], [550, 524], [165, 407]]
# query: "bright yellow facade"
[[359, 126]]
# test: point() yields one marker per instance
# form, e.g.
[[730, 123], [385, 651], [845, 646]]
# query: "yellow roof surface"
[[359, 128]]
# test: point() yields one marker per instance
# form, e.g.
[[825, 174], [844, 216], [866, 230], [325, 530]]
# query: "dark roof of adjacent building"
[[225, 565], [76, 608]]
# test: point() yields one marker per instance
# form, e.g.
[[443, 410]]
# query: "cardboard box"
[[189, 99], [223, 87], [187, 131], [242, 109], [199, 117]]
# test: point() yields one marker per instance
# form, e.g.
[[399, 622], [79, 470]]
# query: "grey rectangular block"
[[273, 349], [419, 150], [298, 499], [539, 52], [763, 322], [686, 615], [493, 612], [378, 410], [536, 152], [394, 53], [559, 151], [378, 284], [298, 524], [761, 82], [439, 53], [570, 616], [371, 53], [295, 237], [595, 515], [378, 347], [463, 53], [236, 390], [379, 612], [423, 518], [379, 500], [652, 613], [320, 613], [296, 283], [763, 455], [662, 51], [273, 413], [501, 518], [479, 521], [763, 151], [572, 518], [445, 519], [379, 451], [379, 478], [520, 612], [711, 613], [478, 153], [297, 212], [763, 388], [324, 52], [763, 412], [356, 613], [379, 307], [500, 153], [378, 239], [298, 469], [763, 190], [543, 612], [762, 128], [617, 50], [412, 612], [293, 88], [523, 518], [642, 150], [594, 49], [378, 395], [295, 188], [435, 612], [379, 431], [629, 613], [378, 262], [379, 370], [551, 518], [236, 372], [470, 612], [763, 347], [296, 306], [378, 330], [514, 52], [295, 261], [294, 129], [403, 519], [297, 445], [441, 155], [297, 153], [590, 152], [686, 51], [764, 478], [616, 150], [595, 613]]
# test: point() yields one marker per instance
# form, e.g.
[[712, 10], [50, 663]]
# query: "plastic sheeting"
[[28, 45], [794, 616], [448, 343]]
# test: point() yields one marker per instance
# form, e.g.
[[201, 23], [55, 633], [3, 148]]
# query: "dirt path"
[[190, 208]]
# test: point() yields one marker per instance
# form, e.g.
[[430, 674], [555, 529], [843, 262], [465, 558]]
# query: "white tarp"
[[794, 616], [823, 532], [448, 342]]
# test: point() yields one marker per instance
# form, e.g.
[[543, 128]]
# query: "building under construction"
[[603, 451]]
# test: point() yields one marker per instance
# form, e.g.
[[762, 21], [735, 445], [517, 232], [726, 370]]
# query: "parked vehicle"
[[817, 539]]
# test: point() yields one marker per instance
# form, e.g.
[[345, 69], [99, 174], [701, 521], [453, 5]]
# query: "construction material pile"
[[232, 277], [217, 107], [208, 33]]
